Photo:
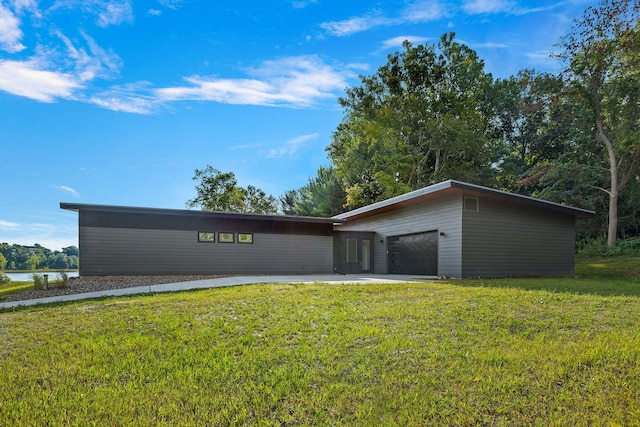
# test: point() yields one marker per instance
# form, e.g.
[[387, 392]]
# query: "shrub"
[[598, 247], [38, 281], [4, 278], [63, 279]]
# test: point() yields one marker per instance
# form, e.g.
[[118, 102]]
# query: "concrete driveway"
[[227, 281]]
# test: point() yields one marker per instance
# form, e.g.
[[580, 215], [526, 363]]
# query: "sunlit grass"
[[11, 288], [458, 353]]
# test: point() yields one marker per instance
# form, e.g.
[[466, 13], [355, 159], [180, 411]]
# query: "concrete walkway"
[[226, 281]]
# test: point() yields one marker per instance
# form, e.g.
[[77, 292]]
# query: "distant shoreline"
[[67, 270]]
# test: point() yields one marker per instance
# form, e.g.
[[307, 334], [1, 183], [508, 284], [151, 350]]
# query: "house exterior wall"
[[122, 251], [505, 239], [444, 215]]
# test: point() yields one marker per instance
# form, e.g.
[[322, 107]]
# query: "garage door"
[[414, 254]]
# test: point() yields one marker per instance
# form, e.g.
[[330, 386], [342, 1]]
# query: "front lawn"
[[502, 353]]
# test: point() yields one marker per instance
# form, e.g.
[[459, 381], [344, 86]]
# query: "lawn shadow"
[[572, 285]]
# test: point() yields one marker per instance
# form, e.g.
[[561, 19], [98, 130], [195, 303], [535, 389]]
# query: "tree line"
[[433, 113], [18, 257]]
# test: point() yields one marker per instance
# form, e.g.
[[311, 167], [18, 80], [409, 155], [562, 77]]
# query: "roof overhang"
[[78, 207], [452, 187]]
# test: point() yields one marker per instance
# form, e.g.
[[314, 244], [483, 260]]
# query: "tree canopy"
[[420, 118], [219, 191], [19, 257]]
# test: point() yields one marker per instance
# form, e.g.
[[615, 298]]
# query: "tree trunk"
[[612, 231]]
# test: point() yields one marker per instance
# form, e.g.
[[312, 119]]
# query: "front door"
[[353, 252]]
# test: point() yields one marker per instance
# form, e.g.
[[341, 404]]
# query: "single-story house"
[[450, 229]]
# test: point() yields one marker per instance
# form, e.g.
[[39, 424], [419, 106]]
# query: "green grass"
[[7, 289], [547, 352], [621, 266]]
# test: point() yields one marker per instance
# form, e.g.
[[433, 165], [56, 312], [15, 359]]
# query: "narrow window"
[[245, 237], [206, 237], [366, 254], [471, 204], [226, 238], [352, 250]]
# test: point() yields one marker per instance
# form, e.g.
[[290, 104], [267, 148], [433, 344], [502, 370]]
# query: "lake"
[[26, 277]]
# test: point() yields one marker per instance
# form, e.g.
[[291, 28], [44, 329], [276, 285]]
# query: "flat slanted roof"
[[452, 187], [77, 207]]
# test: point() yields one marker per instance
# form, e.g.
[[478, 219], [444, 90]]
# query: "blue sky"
[[118, 101]]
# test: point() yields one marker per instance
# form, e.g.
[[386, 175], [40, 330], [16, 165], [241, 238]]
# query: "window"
[[226, 237], [206, 237], [352, 250], [366, 254], [245, 237], [471, 204]]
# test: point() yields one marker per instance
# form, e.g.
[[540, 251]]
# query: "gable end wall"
[[503, 239]]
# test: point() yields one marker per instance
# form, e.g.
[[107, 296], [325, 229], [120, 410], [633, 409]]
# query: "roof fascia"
[[77, 207], [458, 187]]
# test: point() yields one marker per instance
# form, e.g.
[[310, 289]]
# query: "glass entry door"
[[353, 252]]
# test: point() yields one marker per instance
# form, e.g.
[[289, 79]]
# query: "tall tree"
[[323, 196], [420, 119], [530, 122], [219, 191], [603, 56], [257, 201]]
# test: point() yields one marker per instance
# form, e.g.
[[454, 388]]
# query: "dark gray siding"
[[504, 239], [118, 251], [444, 215], [165, 219]]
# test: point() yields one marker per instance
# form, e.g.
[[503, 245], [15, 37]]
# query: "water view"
[[26, 277]]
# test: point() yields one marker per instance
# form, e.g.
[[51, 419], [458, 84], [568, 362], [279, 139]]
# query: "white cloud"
[[108, 12], [419, 11], [114, 13], [171, 4], [397, 41], [67, 189], [31, 5], [424, 11], [486, 45], [126, 103], [10, 32], [58, 73], [355, 25], [131, 98], [29, 79], [290, 147], [544, 59], [359, 66], [97, 63], [476, 7], [295, 81], [8, 225], [300, 4], [154, 12]]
